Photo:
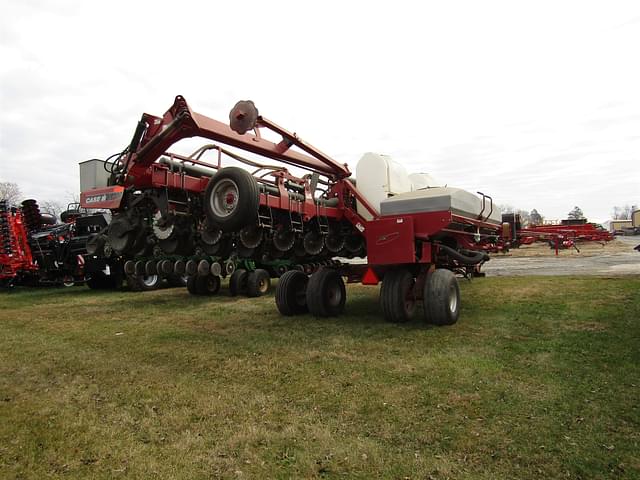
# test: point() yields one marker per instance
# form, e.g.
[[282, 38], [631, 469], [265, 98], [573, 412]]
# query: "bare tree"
[[576, 213], [535, 217], [506, 208], [10, 192], [623, 213], [53, 207]]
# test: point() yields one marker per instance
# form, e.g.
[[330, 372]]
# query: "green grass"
[[540, 378]]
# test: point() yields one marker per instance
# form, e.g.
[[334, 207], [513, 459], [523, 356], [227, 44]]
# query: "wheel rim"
[[263, 286], [224, 197], [162, 227], [453, 299], [284, 240], [150, 280]]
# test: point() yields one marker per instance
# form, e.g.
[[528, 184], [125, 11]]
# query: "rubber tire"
[[436, 298], [258, 283], [246, 210], [207, 285], [191, 285], [319, 290], [292, 288], [396, 286], [238, 282], [136, 283]]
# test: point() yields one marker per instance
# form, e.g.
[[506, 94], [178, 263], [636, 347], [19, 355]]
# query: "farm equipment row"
[[36, 250], [567, 234], [182, 215]]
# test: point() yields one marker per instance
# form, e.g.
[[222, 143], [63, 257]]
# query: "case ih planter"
[[205, 219]]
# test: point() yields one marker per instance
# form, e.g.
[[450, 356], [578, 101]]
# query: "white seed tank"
[[379, 177], [387, 186]]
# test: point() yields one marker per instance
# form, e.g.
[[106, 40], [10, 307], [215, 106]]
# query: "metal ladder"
[[323, 221], [297, 225]]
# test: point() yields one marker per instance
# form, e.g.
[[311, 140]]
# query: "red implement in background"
[[15, 254]]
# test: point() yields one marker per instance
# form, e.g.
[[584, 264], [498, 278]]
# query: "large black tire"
[[207, 285], [326, 294], [191, 285], [291, 293], [441, 298], [232, 199], [397, 298], [238, 282], [258, 283], [144, 283]]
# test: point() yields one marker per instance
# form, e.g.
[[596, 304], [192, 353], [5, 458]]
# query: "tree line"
[[11, 192]]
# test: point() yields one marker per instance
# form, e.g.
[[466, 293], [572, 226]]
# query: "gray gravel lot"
[[618, 263]]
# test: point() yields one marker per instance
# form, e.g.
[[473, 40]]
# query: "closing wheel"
[[238, 282], [232, 199], [291, 293], [441, 298], [313, 243], [397, 296], [326, 294], [209, 285], [258, 283]]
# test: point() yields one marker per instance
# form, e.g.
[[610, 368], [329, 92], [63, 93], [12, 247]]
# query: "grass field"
[[540, 378]]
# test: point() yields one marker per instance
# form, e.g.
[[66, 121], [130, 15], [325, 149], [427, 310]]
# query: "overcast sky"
[[535, 103]]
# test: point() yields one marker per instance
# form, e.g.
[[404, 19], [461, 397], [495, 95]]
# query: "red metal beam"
[[181, 122]]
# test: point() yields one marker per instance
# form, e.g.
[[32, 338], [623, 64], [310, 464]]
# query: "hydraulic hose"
[[469, 258]]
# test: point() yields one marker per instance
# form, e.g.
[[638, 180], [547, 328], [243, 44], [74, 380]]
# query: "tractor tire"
[[232, 199], [258, 283], [326, 294], [397, 298], [441, 297], [238, 282], [207, 285], [291, 293], [191, 285]]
